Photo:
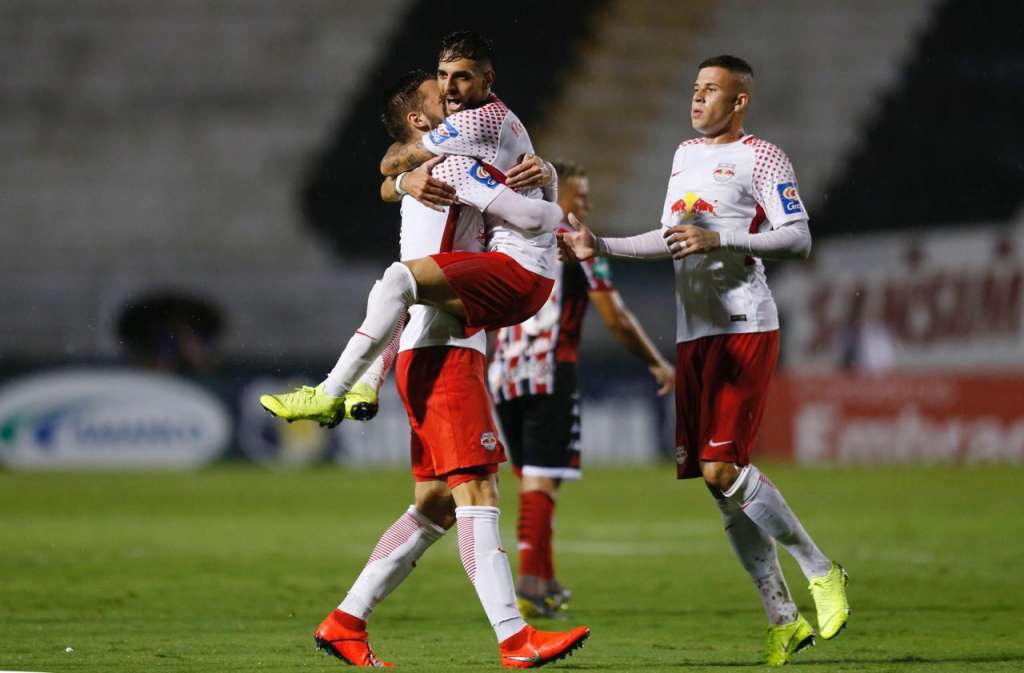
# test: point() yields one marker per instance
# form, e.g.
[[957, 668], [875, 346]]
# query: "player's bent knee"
[[719, 476]]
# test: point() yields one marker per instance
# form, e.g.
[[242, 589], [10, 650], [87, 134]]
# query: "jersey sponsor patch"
[[480, 174], [443, 133], [789, 197]]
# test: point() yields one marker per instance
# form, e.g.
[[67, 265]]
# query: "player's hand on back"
[[577, 245], [428, 190], [531, 171], [688, 239]]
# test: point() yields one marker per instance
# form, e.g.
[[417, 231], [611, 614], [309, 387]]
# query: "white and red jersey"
[[526, 354], [747, 185], [494, 136], [426, 232]]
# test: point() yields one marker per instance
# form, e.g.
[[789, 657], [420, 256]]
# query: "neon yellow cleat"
[[361, 402], [786, 640], [829, 592], [306, 403]]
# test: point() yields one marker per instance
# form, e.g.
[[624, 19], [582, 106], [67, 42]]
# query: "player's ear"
[[489, 77], [742, 101]]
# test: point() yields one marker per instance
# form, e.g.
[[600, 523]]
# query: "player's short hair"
[[569, 169], [403, 98], [733, 64], [466, 44]]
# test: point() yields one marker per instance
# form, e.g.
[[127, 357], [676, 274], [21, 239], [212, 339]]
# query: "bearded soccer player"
[[503, 286], [732, 200], [533, 380], [454, 445]]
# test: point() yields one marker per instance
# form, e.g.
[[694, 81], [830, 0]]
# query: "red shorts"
[[721, 387], [449, 409], [494, 288]]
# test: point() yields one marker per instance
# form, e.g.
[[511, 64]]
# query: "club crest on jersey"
[[443, 132], [489, 441], [680, 455], [724, 172], [480, 174], [690, 206], [790, 198]]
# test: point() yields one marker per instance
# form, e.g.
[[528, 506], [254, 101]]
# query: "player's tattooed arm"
[[402, 157]]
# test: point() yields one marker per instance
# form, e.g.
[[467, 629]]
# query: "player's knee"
[[719, 476], [398, 281], [437, 504]]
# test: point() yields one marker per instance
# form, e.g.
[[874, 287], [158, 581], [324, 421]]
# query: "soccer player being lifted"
[[533, 380], [487, 290], [732, 200]]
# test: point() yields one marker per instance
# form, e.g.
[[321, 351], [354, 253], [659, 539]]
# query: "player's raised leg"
[[487, 566], [343, 633], [401, 286]]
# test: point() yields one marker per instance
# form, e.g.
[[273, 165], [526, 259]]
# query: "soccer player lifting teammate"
[[732, 200], [454, 445], [503, 286], [533, 381]]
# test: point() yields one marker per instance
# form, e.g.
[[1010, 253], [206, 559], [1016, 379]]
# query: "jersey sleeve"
[[775, 187], [473, 184], [471, 133], [598, 273]]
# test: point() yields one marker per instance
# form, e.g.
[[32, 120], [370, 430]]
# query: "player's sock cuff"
[[477, 512], [746, 485], [430, 529]]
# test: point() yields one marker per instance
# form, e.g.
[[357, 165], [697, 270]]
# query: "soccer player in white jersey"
[[504, 285], [732, 200], [454, 445]]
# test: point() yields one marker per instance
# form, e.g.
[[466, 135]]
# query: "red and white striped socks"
[[488, 568], [392, 560]]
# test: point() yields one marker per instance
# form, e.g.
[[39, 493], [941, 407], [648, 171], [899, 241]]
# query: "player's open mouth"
[[454, 105]]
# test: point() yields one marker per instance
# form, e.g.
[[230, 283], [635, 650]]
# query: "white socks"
[[487, 565], [386, 306], [374, 376], [764, 505], [756, 552], [392, 560]]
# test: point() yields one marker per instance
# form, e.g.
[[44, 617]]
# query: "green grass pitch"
[[231, 569]]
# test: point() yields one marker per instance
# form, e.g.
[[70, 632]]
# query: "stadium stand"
[[945, 146]]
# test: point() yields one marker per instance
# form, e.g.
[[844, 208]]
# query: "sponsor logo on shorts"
[[738, 317], [489, 441], [443, 132], [480, 174], [680, 455], [713, 444], [790, 198]]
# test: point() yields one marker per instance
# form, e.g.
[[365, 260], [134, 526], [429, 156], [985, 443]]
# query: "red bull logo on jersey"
[[790, 198], [443, 133], [724, 172], [691, 205], [480, 174]]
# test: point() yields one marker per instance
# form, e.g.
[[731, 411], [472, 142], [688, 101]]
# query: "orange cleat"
[[343, 636], [531, 648]]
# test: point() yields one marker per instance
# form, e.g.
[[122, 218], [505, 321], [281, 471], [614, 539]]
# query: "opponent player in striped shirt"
[[533, 380], [732, 199]]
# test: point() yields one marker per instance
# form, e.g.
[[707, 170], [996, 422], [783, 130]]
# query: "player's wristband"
[[398, 184]]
